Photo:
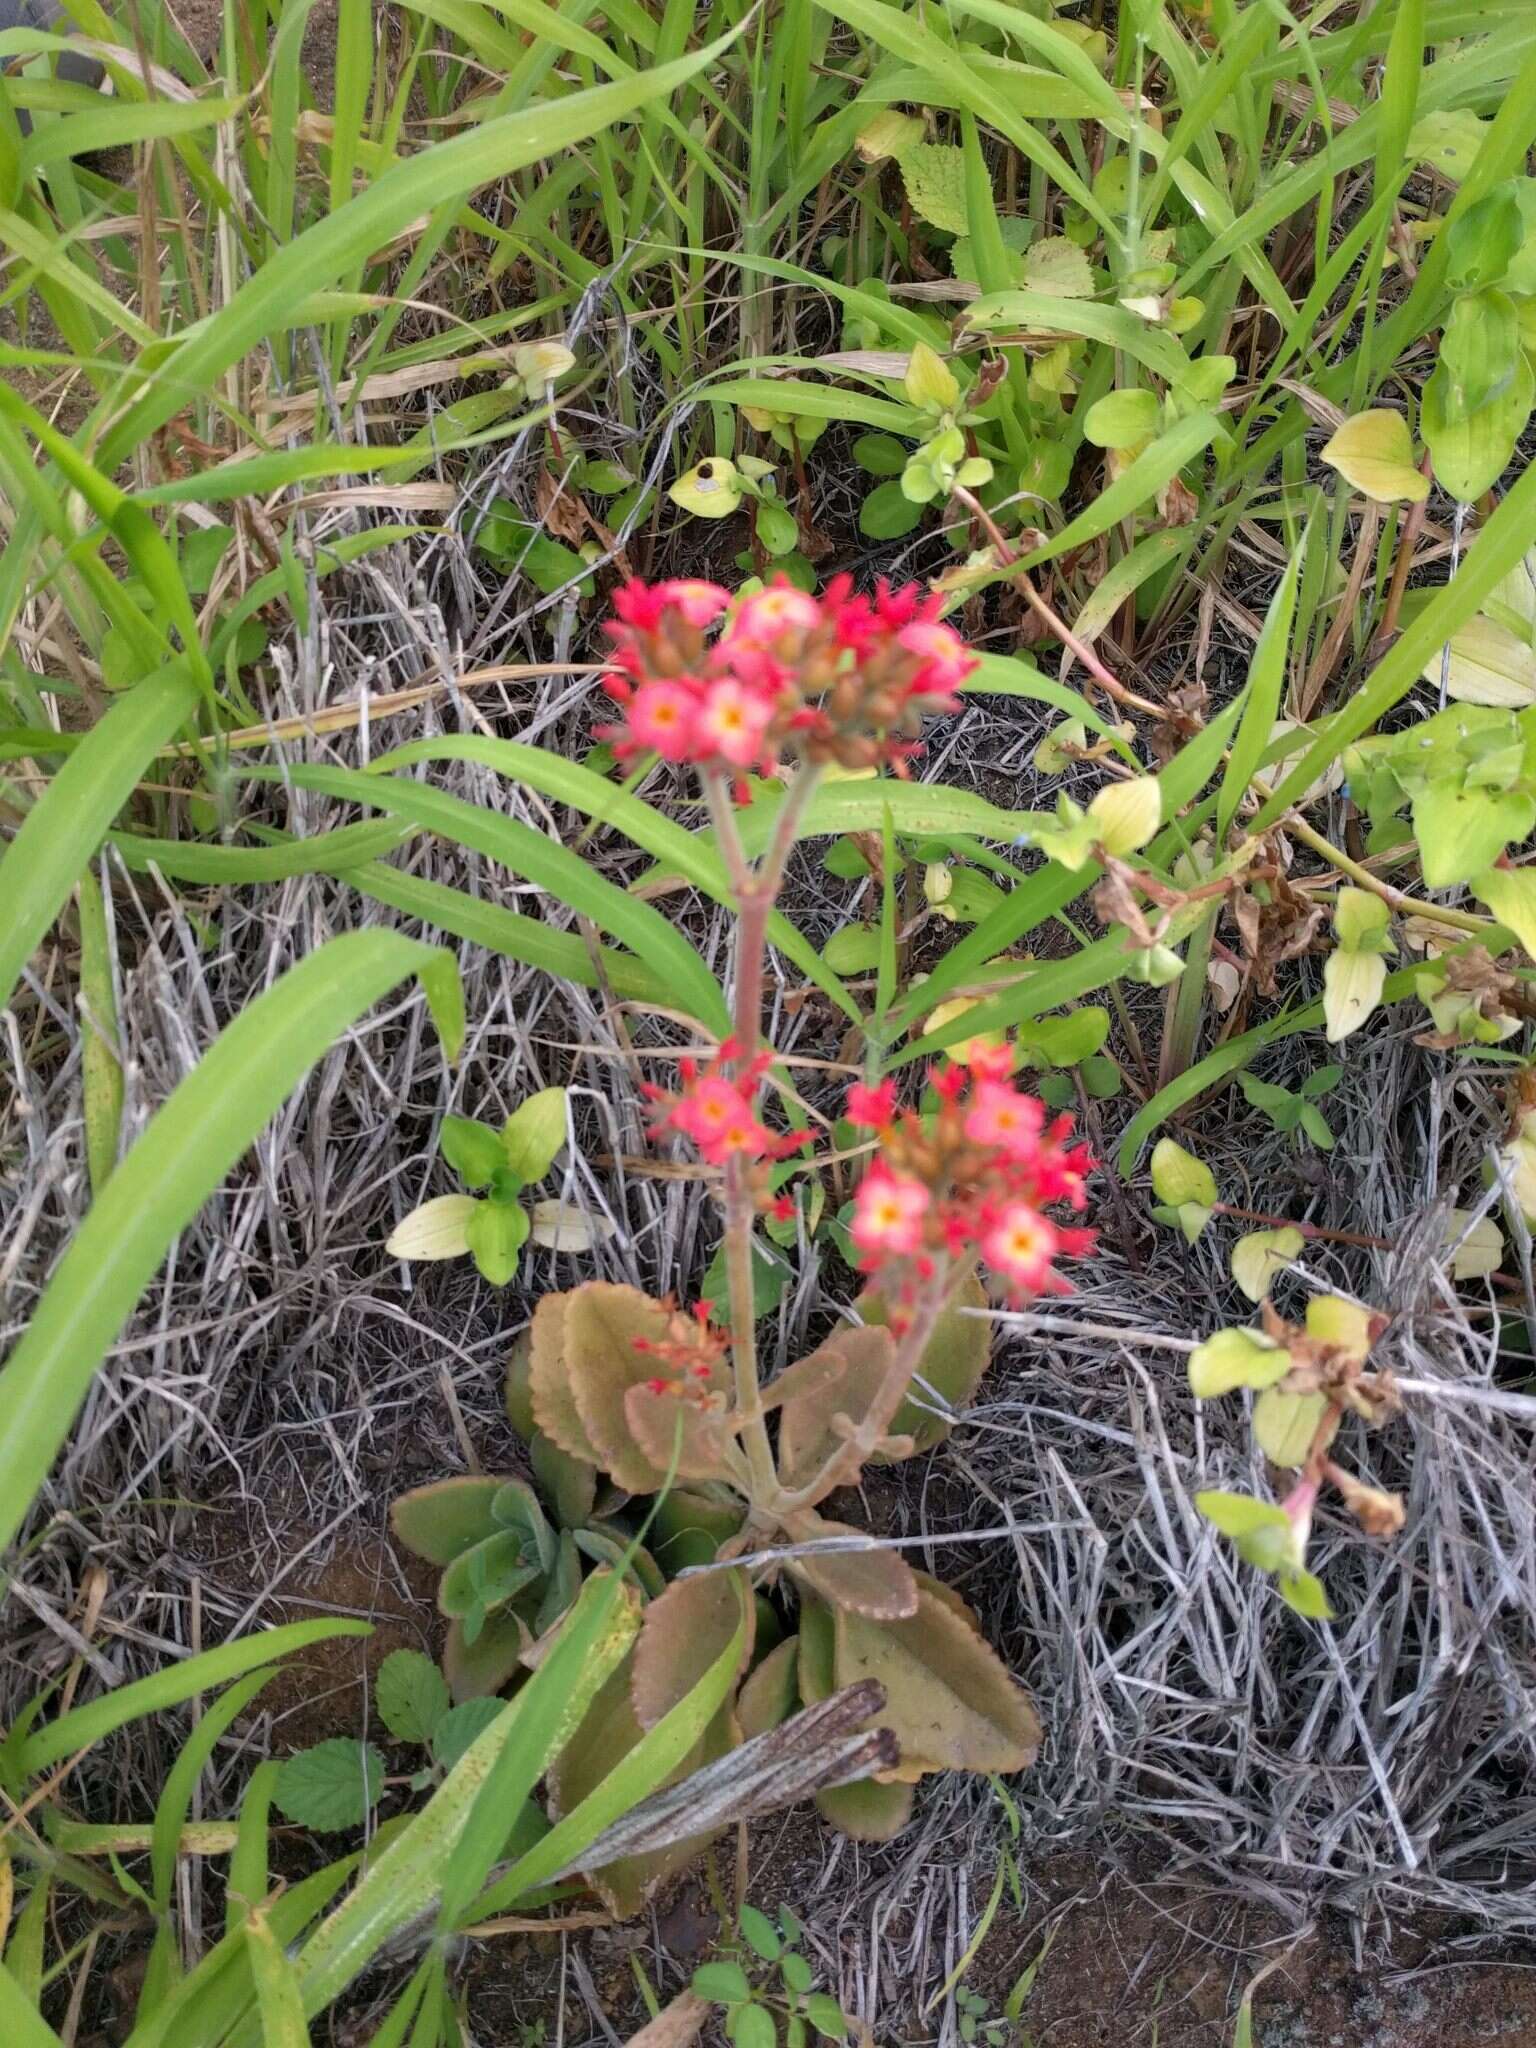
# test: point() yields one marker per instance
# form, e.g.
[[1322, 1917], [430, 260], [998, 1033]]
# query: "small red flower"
[[872, 1107]]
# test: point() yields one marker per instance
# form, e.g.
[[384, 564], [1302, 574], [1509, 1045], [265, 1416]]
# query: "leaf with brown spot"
[[549, 1382], [684, 1632], [949, 1700], [853, 1389], [772, 1693], [953, 1364], [602, 1322], [667, 1426], [874, 1582]]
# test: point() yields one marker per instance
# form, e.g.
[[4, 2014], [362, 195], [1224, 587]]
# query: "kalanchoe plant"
[[650, 1398], [511, 1571], [492, 1226]]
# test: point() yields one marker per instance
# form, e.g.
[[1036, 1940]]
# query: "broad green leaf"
[[1479, 1246], [1472, 449], [332, 1786], [411, 1695], [188, 1146], [471, 1149], [934, 176], [1060, 269], [1262, 1533], [1461, 832], [1449, 140]]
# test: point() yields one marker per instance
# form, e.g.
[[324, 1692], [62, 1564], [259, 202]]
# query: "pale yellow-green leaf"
[[887, 135], [1285, 1424], [1236, 1358], [1122, 419], [1449, 141], [1125, 815], [1260, 1256], [710, 490], [1193, 1217], [1374, 453], [1352, 985], [1487, 664], [930, 383], [1179, 1177], [437, 1230], [938, 882], [1479, 1246], [1510, 893], [1518, 1164], [541, 362], [1333, 1320], [934, 175], [1059, 267], [1361, 921]]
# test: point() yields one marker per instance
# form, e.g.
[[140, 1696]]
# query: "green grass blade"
[[101, 1070], [188, 1147], [572, 880], [69, 821], [1266, 681], [22, 2025], [82, 1727]]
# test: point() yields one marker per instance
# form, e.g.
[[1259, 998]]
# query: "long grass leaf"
[[69, 821], [189, 1145]]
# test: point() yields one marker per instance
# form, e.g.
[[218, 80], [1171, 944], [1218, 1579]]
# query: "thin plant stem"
[[755, 890]]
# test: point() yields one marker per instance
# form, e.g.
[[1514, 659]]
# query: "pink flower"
[[872, 1107], [1019, 1247], [770, 613], [697, 603], [889, 1212], [733, 720], [946, 659], [999, 1116], [720, 1120], [663, 715]]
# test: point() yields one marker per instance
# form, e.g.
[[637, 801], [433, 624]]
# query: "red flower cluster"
[[715, 1109], [844, 677], [689, 1354], [973, 1180]]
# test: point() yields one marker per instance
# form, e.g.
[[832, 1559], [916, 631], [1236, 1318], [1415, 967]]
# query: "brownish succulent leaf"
[[949, 1699], [608, 1732], [855, 1392], [684, 1633], [872, 1811], [478, 1669], [602, 1323], [772, 1693], [953, 1363], [549, 1382], [873, 1582], [665, 1425], [440, 1521]]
